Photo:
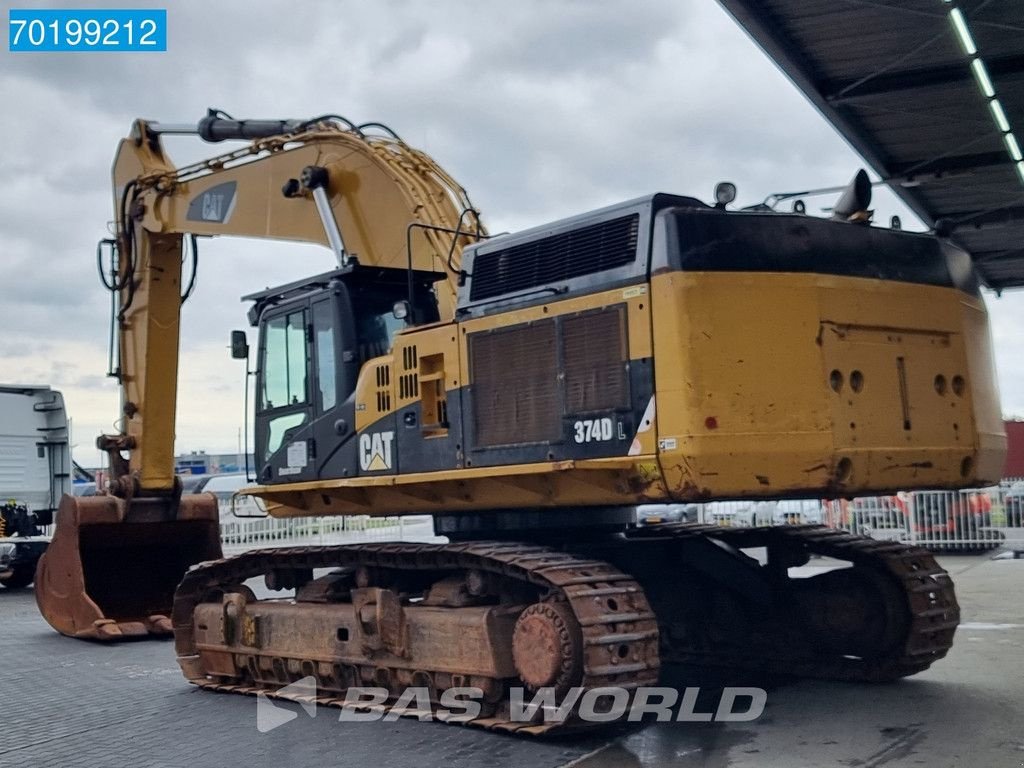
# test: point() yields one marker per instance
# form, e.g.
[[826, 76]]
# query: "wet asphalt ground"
[[71, 703]]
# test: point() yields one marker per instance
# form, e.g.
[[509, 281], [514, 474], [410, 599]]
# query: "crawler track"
[[619, 644], [930, 601], [618, 630]]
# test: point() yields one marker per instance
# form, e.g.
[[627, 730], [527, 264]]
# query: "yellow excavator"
[[527, 390]]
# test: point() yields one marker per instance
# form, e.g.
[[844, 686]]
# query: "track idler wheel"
[[853, 611], [547, 647]]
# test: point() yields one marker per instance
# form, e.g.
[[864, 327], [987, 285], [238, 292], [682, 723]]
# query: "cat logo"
[[214, 205], [375, 451]]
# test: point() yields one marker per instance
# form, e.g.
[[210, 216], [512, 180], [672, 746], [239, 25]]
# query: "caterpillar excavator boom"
[[527, 391]]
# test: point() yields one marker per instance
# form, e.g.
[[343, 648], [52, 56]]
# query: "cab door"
[[335, 368], [284, 403], [305, 409]]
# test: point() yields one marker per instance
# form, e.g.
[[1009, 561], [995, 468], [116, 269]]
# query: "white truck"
[[35, 471]]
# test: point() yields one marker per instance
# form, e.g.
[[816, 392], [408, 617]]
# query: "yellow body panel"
[[766, 385], [592, 482], [746, 399], [984, 391]]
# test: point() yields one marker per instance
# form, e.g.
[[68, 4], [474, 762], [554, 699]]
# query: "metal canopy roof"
[[899, 80]]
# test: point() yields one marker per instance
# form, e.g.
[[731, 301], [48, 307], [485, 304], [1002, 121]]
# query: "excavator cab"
[[315, 337]]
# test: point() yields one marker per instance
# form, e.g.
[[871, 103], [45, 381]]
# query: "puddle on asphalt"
[[709, 746]]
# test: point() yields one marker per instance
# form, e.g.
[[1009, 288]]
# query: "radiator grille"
[[515, 385], [595, 361], [555, 259], [518, 397]]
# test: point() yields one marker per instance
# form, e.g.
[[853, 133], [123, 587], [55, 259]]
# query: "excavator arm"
[[358, 190], [335, 186]]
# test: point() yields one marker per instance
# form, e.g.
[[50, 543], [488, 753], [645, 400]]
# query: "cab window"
[[376, 331], [279, 427], [326, 368], [284, 361]]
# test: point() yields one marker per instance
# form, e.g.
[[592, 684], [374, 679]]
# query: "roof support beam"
[[765, 30], [949, 164], [988, 258], [885, 83], [997, 217]]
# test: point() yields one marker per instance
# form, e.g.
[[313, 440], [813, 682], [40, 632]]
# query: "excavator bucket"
[[112, 567]]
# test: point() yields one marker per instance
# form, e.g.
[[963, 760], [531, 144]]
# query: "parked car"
[[798, 512], [21, 543], [84, 489], [194, 483], [224, 487], [651, 514], [740, 513]]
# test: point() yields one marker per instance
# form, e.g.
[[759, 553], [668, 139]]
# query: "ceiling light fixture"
[[999, 115], [1013, 147], [980, 71], [981, 75], [960, 25]]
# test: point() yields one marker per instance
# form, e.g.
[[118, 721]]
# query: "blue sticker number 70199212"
[[86, 30]]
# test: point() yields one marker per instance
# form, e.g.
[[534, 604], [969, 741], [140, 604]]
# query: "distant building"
[[1015, 449], [202, 463]]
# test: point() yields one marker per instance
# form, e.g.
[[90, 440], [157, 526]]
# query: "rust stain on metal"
[[546, 646]]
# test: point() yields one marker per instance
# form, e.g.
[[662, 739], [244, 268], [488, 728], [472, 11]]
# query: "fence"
[[240, 533], [944, 521], [969, 520]]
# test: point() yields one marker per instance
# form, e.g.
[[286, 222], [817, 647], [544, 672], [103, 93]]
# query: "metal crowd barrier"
[[241, 533], [943, 521], [968, 520]]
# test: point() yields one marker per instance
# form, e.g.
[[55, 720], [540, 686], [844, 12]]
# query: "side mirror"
[[239, 345], [400, 310]]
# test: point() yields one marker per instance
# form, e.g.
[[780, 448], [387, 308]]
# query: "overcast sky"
[[540, 109]]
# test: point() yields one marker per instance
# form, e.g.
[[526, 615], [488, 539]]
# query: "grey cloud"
[[540, 109], [92, 382]]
